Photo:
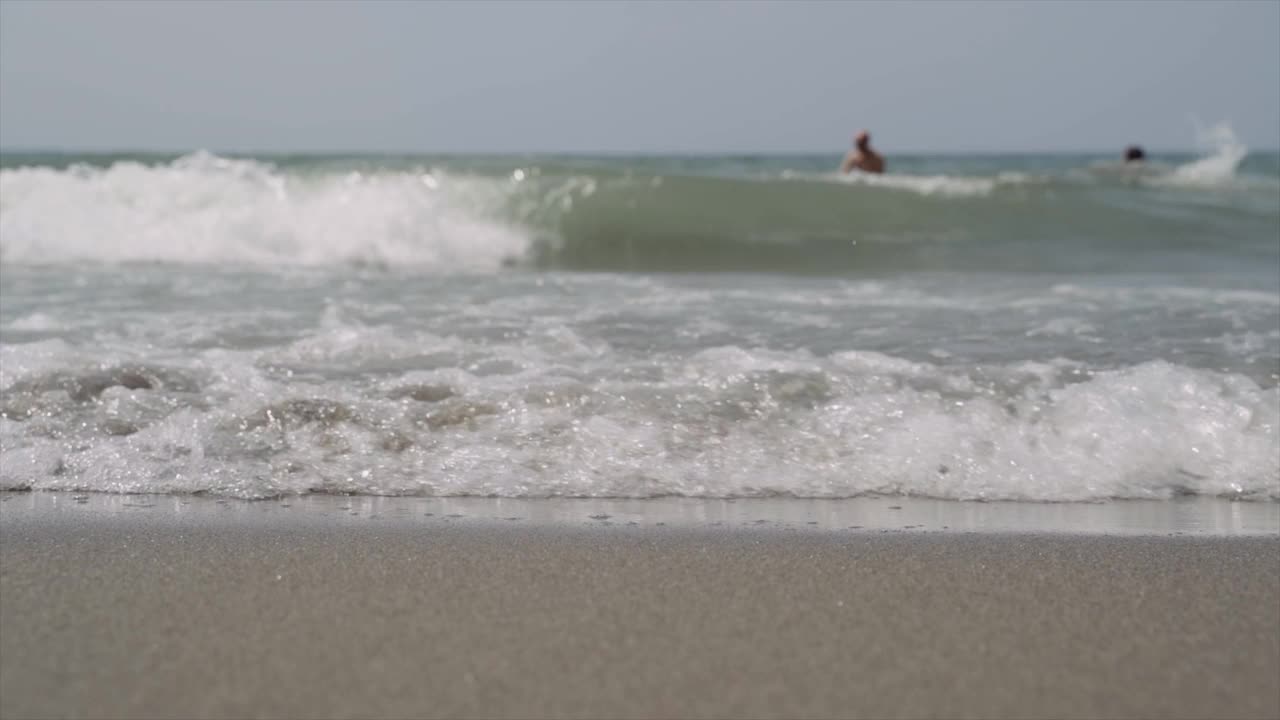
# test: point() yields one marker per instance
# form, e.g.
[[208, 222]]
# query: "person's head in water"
[[1134, 153], [862, 157]]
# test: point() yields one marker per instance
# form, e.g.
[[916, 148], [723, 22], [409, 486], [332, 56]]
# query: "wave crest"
[[202, 208], [206, 209]]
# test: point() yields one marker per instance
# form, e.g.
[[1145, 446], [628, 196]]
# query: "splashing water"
[[1224, 151]]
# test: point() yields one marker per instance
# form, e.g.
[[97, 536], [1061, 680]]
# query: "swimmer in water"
[[862, 157], [1134, 154]]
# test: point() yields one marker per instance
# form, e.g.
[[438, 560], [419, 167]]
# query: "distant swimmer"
[[1134, 154], [862, 157]]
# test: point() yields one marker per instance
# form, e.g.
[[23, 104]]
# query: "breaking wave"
[[205, 209], [725, 422]]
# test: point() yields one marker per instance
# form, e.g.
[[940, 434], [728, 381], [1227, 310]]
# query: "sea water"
[[1004, 327]]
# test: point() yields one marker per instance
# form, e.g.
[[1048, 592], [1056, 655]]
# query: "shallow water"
[[999, 328]]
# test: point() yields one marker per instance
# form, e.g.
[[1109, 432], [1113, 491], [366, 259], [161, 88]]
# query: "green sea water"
[[1013, 327]]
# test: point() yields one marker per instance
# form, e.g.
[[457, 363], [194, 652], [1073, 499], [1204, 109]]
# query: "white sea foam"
[[933, 185], [206, 209], [37, 322], [558, 414], [1223, 152]]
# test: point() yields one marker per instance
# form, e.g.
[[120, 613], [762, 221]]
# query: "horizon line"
[[31, 150]]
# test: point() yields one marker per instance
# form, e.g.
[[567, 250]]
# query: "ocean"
[[968, 327]]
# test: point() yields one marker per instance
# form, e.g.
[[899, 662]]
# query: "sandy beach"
[[259, 610]]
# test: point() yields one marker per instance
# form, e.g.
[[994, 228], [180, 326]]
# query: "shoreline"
[[1194, 516], [122, 606]]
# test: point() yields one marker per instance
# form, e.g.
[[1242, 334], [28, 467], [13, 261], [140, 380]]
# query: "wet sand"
[[249, 611]]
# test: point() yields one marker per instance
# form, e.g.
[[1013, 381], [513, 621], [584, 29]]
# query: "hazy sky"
[[644, 77]]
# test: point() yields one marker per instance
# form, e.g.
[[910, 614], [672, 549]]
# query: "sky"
[[650, 77]]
